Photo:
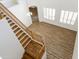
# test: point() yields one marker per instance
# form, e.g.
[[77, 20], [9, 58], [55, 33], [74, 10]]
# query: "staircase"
[[34, 49], [23, 37]]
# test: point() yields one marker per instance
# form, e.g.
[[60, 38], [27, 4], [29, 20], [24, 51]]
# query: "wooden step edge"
[[41, 52], [38, 42], [42, 48], [21, 37], [27, 39], [12, 24], [19, 34], [16, 30], [25, 36], [27, 56], [27, 44]]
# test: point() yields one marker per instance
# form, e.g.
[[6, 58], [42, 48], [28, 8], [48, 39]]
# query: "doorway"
[[34, 11]]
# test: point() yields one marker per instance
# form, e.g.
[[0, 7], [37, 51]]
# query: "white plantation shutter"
[[68, 17], [74, 18], [62, 16], [49, 13], [53, 12], [65, 16]]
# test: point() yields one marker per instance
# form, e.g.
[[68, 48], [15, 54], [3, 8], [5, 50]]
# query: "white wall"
[[10, 47], [20, 11], [9, 3], [69, 5], [75, 53]]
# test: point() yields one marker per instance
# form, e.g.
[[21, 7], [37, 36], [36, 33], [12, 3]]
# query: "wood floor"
[[59, 41]]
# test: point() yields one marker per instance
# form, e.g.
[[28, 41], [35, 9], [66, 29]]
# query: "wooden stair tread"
[[19, 33], [33, 49], [14, 27], [27, 56], [12, 24], [24, 38], [20, 37], [26, 42], [16, 30]]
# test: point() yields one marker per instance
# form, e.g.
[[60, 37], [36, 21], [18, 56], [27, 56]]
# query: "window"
[[49, 13], [68, 17]]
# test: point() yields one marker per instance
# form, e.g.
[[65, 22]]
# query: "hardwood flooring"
[[59, 41]]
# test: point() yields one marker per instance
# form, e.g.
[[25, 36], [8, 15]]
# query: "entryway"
[[34, 11]]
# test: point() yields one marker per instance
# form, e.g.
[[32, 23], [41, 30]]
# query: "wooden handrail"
[[15, 19]]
